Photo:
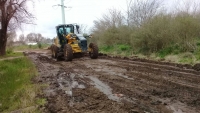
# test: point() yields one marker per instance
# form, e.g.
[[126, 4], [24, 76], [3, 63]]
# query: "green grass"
[[11, 53], [187, 58], [173, 49], [197, 52], [41, 101], [120, 49], [165, 52], [16, 89], [172, 53], [15, 54]]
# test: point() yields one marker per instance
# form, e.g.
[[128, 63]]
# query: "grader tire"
[[94, 51], [68, 53], [54, 51], [59, 58]]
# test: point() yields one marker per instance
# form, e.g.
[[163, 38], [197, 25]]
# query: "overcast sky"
[[81, 12]]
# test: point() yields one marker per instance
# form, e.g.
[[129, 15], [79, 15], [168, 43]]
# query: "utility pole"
[[63, 11]]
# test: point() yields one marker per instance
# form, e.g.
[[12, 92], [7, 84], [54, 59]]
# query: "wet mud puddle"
[[67, 84], [104, 88]]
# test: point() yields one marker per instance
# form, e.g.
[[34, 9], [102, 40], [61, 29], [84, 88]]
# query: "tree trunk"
[[3, 40], [3, 30]]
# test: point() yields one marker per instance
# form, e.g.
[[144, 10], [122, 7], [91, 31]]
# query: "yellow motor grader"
[[70, 42]]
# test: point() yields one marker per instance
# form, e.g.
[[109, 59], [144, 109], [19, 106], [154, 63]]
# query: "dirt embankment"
[[117, 85]]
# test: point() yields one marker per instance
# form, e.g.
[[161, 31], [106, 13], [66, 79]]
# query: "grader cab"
[[70, 42]]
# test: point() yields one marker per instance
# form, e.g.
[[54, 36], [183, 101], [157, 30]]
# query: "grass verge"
[[120, 49], [17, 92], [12, 54], [170, 54]]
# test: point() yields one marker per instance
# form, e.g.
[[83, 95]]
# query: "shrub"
[[163, 33], [9, 50], [174, 49], [154, 35], [30, 46], [39, 45], [186, 29], [106, 48], [124, 47], [164, 52]]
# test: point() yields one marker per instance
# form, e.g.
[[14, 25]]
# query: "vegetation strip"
[[17, 92], [12, 54], [149, 29], [10, 58]]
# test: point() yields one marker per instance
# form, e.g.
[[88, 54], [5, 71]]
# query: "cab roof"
[[61, 25]]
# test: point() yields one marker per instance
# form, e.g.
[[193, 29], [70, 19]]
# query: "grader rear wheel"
[[68, 53], [94, 51]]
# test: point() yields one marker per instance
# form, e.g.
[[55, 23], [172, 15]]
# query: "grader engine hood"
[[82, 42]]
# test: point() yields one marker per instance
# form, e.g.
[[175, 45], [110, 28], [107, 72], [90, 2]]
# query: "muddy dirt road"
[[114, 85]]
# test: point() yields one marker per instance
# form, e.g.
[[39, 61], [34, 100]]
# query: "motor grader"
[[69, 42]]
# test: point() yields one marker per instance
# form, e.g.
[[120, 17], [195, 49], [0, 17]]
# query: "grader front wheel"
[[54, 51], [94, 51], [68, 53]]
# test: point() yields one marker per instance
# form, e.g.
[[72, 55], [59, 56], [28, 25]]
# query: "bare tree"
[[11, 36], [113, 18], [47, 40], [143, 10], [13, 14], [33, 37], [30, 37], [38, 38], [128, 11], [187, 7], [22, 38], [106, 30]]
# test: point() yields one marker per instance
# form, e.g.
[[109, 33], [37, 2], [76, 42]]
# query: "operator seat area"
[[62, 32]]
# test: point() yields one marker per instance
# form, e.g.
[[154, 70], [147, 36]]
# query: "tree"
[[142, 10], [30, 37], [39, 38], [22, 38], [13, 14], [11, 36], [113, 18], [106, 29], [33, 37], [128, 5]]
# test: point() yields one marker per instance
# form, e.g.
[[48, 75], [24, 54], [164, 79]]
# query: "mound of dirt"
[[196, 67]]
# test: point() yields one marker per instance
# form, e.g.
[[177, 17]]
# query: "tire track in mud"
[[160, 65], [189, 80], [70, 92], [171, 86], [182, 78], [117, 85]]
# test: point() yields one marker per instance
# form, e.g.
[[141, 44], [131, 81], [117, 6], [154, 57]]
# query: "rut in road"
[[117, 85]]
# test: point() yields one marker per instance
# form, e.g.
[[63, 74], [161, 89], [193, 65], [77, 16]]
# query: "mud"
[[113, 84]]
